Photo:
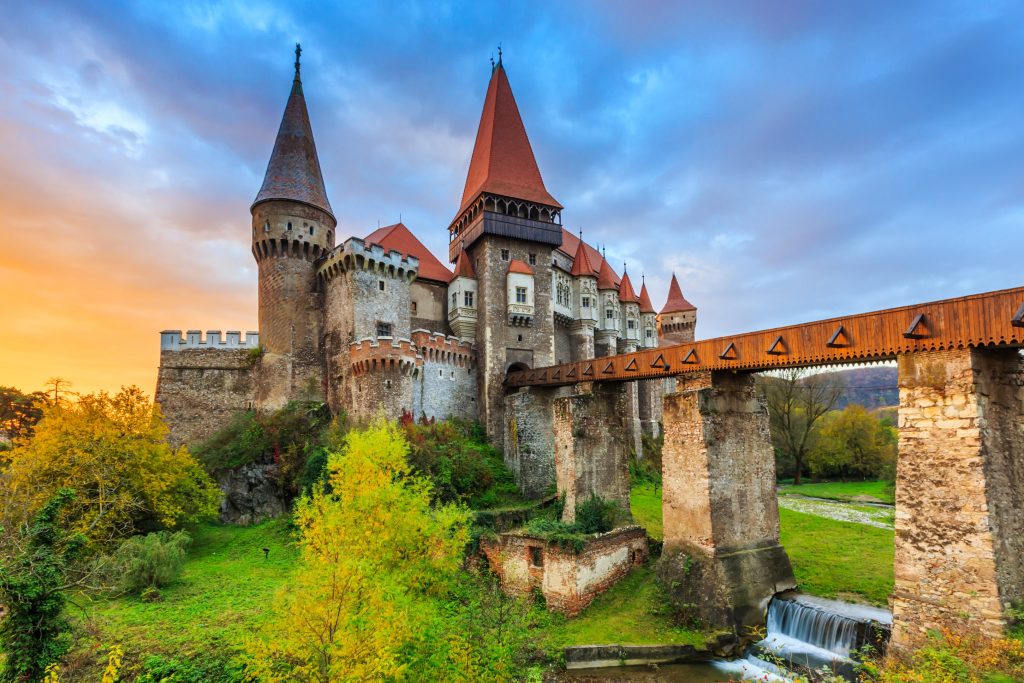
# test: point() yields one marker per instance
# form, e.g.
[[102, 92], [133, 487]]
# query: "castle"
[[378, 324]]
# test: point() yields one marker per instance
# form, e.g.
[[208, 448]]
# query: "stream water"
[[803, 632]]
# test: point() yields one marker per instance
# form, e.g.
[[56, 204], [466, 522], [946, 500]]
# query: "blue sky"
[[789, 161]]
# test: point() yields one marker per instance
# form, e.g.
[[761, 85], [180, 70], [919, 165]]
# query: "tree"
[[19, 412], [377, 560], [112, 451], [34, 579], [853, 443], [797, 400]]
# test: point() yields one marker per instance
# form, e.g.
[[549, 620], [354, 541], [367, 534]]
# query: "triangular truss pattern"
[[729, 353], [610, 368], [631, 366], [571, 373], [589, 370], [660, 362], [543, 376], [691, 357], [838, 339], [557, 374], [918, 329], [778, 347], [1018, 317]]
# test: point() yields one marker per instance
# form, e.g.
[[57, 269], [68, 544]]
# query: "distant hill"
[[871, 387]]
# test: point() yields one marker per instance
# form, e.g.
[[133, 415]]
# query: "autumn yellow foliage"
[[954, 657], [376, 561], [111, 450]]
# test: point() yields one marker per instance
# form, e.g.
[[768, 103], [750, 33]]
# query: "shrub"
[[208, 669], [150, 562], [853, 443], [596, 516], [952, 656]]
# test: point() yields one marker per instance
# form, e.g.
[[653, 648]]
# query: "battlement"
[[438, 348], [355, 254], [171, 340], [384, 353]]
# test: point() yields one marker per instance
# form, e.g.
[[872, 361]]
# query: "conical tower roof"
[[626, 293], [645, 300], [606, 276], [581, 262], [503, 161], [676, 301], [463, 266], [294, 169]]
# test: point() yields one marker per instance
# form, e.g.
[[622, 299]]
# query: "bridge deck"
[[988, 319]]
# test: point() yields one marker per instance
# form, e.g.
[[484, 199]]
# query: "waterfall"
[[829, 631]]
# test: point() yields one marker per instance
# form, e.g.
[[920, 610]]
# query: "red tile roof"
[[517, 266], [606, 277], [571, 244], [645, 300], [626, 293], [581, 262], [400, 238], [503, 161], [293, 172], [463, 266], [676, 301]]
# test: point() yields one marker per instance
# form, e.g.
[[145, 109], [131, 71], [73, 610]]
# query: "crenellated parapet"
[[172, 340], [435, 347], [355, 254]]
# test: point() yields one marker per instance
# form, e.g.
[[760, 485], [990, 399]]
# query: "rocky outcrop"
[[251, 494]]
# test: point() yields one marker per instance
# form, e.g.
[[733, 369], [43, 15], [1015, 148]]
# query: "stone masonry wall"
[[568, 580], [591, 447], [959, 491], [529, 442], [445, 390], [498, 343], [199, 390]]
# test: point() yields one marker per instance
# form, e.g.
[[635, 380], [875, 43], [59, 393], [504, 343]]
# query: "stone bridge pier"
[[722, 553], [959, 559], [593, 446]]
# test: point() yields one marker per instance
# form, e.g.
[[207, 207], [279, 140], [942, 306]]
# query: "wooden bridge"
[[959, 557], [989, 319]]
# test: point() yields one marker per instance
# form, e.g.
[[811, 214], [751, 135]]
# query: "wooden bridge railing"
[[989, 319]]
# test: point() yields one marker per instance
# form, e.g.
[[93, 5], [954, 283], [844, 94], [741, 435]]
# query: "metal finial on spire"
[[623, 267], [298, 56]]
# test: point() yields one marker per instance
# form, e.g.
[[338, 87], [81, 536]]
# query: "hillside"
[[871, 387]]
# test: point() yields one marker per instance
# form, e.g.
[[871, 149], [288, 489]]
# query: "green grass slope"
[[851, 491]]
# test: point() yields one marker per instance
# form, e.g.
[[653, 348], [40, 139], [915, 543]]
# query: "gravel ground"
[[881, 517]]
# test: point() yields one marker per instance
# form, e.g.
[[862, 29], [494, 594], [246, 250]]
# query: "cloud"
[[787, 162]]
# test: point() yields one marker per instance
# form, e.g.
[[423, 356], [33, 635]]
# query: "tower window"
[[586, 302], [329, 235], [650, 333], [469, 299], [520, 295], [413, 307], [504, 254], [383, 329], [533, 259], [455, 299], [312, 230], [266, 227], [609, 314], [631, 324], [289, 226], [380, 285]]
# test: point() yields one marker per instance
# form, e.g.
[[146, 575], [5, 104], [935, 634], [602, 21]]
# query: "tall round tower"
[[292, 226]]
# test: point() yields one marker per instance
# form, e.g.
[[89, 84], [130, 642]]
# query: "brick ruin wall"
[[960, 491], [199, 390], [568, 580], [592, 448], [529, 441]]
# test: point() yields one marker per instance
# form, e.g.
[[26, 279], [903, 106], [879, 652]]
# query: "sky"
[[788, 161]]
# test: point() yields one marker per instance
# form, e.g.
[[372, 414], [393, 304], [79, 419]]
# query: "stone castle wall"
[[529, 441], [201, 386]]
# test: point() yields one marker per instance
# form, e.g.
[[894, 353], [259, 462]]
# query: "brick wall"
[[529, 442]]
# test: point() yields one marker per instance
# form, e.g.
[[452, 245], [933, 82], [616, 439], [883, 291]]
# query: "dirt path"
[[880, 516]]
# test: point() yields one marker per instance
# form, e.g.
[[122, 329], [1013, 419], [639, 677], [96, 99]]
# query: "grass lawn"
[[855, 491], [632, 612], [830, 558], [225, 591]]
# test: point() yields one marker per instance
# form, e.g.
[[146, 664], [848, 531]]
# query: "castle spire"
[[293, 172], [626, 293], [503, 161], [645, 299], [676, 301]]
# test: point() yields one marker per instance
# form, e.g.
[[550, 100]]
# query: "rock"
[[251, 494]]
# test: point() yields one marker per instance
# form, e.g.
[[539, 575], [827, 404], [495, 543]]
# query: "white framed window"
[[631, 324], [533, 259], [520, 295], [468, 298], [586, 302], [609, 314]]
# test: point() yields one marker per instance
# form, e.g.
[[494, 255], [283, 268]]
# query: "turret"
[[609, 318], [292, 226], [648, 319], [585, 304], [463, 299], [678, 318], [630, 330]]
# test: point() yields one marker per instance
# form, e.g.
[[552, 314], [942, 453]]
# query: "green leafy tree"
[[19, 412], [35, 574], [149, 562], [112, 451], [854, 444], [797, 400]]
